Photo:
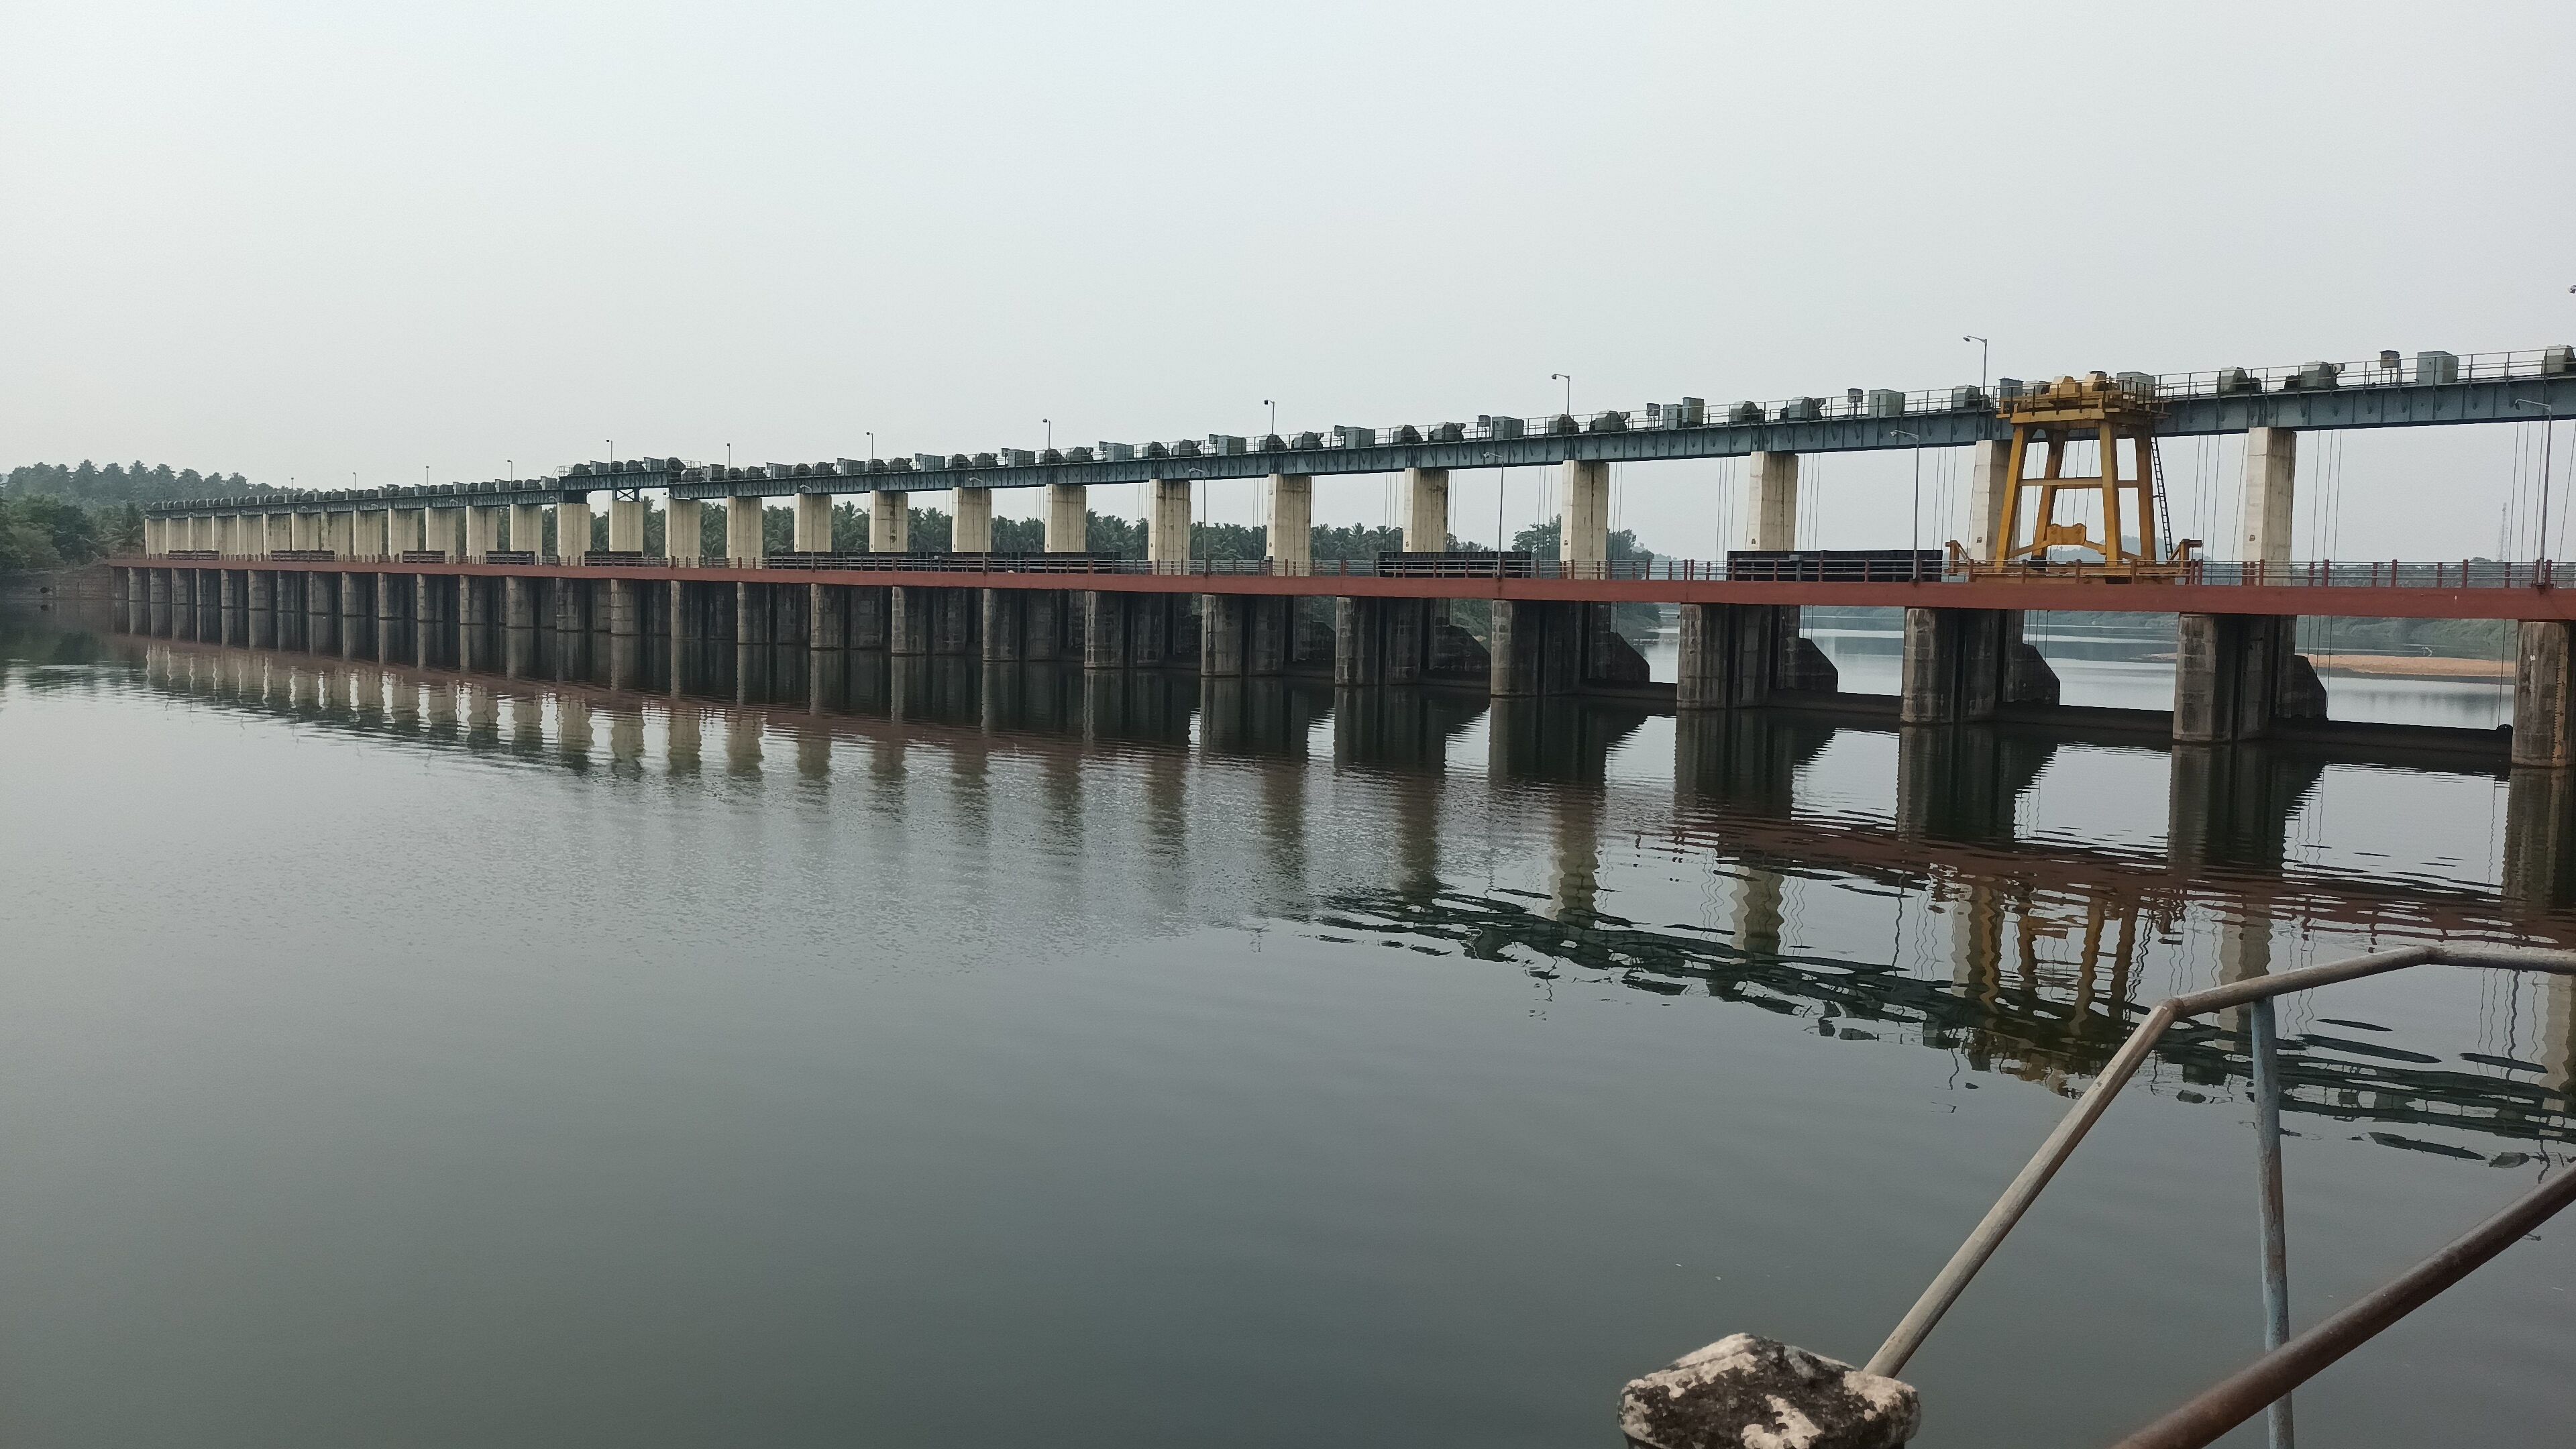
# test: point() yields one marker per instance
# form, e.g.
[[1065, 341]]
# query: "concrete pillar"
[[300, 532], [1771, 515], [1730, 656], [2271, 477], [813, 523], [827, 617], [1954, 665], [340, 534], [1583, 514], [1426, 511], [908, 620], [683, 535], [1989, 468], [2235, 675], [528, 528], [1536, 649], [482, 532], [625, 525], [1043, 623], [321, 612], [1292, 523], [375, 528], [572, 529], [972, 531], [889, 522], [2544, 696], [357, 614], [405, 530], [262, 609], [625, 608], [1223, 627], [1068, 518], [1006, 624], [1104, 630], [1167, 525], [393, 596]]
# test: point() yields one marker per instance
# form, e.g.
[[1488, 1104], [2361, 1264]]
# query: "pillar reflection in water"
[[572, 729], [625, 742], [743, 731], [687, 738], [483, 719]]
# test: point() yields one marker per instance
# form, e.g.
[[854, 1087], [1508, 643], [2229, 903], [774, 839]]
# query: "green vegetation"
[[56, 515]]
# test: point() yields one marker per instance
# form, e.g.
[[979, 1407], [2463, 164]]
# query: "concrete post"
[[1989, 469], [405, 528], [1068, 518], [1167, 525], [572, 529], [357, 614], [1042, 623], [813, 523], [528, 528], [889, 522], [1771, 522], [2236, 674], [1426, 510], [908, 621], [1104, 630], [1537, 649], [625, 525], [1222, 630], [263, 609], [1583, 515], [972, 531], [827, 618], [482, 532], [2271, 477], [1954, 665], [375, 532], [2544, 708], [340, 535], [683, 534], [1292, 523], [1006, 624]]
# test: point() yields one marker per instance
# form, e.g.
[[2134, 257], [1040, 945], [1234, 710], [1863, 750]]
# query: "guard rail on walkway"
[[2291, 1361], [1805, 566]]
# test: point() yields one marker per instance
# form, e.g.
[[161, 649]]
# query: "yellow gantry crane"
[[2046, 422]]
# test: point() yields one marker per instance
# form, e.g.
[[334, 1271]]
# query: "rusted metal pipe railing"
[[2279, 1371]]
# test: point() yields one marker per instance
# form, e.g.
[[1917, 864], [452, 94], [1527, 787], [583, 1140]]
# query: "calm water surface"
[[910, 1055]]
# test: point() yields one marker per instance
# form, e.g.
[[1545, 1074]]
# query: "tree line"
[[55, 515]]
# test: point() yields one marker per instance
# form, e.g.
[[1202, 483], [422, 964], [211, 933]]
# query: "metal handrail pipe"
[[2070, 1131], [2243, 1394]]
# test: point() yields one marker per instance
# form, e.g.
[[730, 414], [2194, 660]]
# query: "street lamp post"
[[1982, 349], [1568, 379]]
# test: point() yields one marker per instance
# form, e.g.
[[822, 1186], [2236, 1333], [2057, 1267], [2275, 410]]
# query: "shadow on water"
[[2046, 939]]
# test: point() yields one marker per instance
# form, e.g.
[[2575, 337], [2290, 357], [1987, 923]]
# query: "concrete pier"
[[743, 542], [2236, 675], [1292, 523], [971, 530], [889, 522], [572, 530], [683, 532], [1167, 524], [1583, 514], [1068, 518], [1964, 664], [1426, 510], [626, 525], [2544, 696], [813, 523]]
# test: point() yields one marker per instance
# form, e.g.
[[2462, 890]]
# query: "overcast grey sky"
[[313, 241]]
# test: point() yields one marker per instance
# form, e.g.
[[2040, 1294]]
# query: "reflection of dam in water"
[[2040, 947]]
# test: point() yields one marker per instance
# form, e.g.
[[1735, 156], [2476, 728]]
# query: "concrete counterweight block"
[[1756, 1392]]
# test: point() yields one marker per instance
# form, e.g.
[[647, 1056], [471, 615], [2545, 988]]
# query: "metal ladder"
[[2164, 512]]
